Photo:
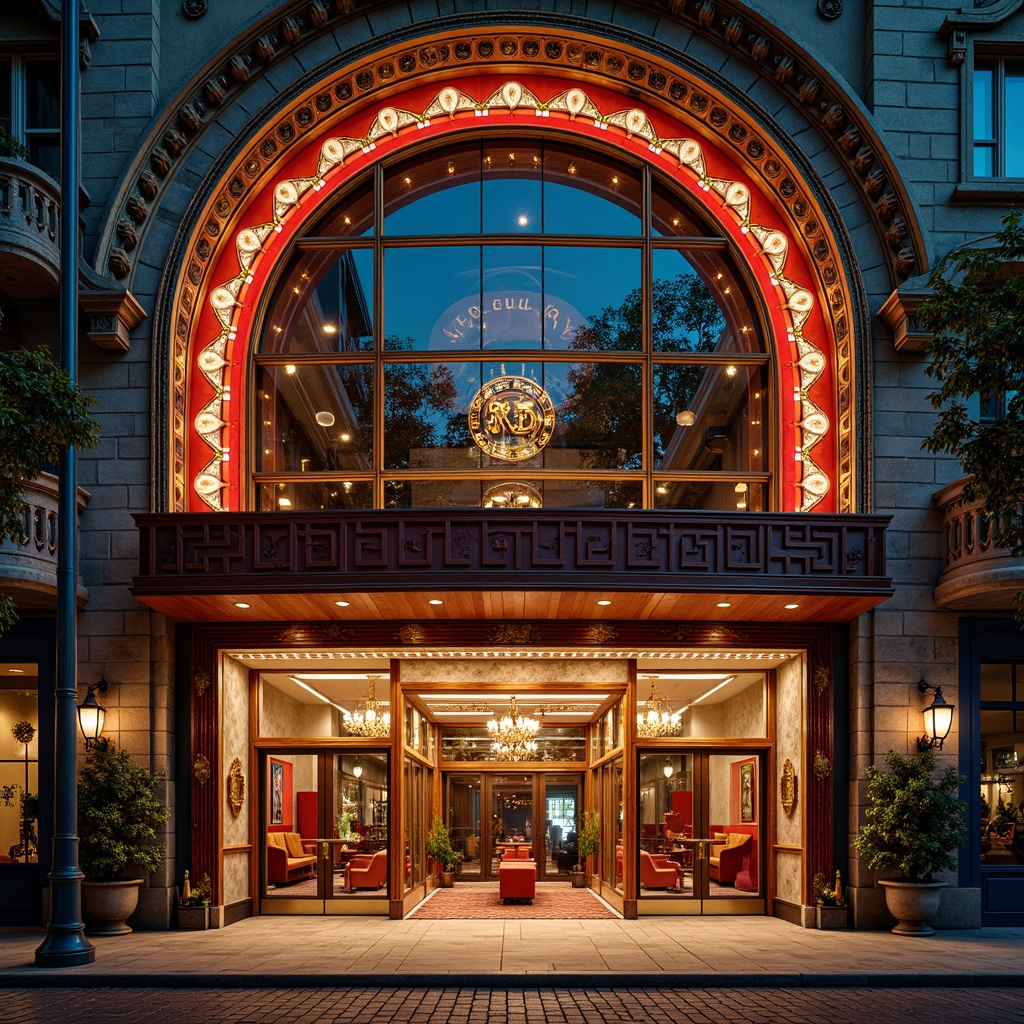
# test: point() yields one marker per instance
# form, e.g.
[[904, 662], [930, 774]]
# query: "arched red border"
[[303, 164]]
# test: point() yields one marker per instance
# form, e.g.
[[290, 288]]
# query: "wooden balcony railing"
[[977, 574], [28, 568]]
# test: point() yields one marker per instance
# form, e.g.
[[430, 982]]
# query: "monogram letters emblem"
[[511, 418]]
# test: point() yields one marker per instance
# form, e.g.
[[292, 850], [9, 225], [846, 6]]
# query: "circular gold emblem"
[[511, 418]]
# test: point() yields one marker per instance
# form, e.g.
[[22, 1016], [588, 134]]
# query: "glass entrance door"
[[324, 823], [492, 816], [702, 827]]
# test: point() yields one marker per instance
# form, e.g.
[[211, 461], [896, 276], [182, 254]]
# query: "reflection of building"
[[288, 499]]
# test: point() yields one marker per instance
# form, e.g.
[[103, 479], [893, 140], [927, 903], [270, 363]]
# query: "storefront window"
[[324, 704], [1002, 763], [19, 764], [609, 380]]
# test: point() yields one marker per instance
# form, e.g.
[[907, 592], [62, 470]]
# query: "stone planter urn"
[[913, 904], [447, 879], [194, 918], [829, 918], [579, 879], [108, 905]]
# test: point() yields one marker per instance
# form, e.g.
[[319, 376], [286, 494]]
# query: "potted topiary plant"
[[587, 842], [914, 823], [119, 818]]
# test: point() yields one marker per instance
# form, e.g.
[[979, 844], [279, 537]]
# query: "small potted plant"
[[119, 819], [830, 902], [194, 904], [451, 861], [587, 842], [914, 823], [439, 847]]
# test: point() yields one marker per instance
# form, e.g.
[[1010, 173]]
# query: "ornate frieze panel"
[[841, 553]]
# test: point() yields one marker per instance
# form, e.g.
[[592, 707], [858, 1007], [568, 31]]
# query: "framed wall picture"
[[280, 795], [744, 791]]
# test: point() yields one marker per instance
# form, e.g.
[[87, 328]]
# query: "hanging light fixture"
[[370, 721], [513, 736], [654, 719]]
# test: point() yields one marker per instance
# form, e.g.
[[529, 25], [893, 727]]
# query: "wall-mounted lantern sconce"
[[667, 770], [91, 715], [938, 718], [357, 771]]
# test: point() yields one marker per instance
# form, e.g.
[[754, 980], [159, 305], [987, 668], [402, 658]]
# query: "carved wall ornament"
[[822, 766], [510, 633], [410, 634], [601, 633], [830, 9], [236, 787], [201, 769], [821, 677], [202, 682], [788, 786]]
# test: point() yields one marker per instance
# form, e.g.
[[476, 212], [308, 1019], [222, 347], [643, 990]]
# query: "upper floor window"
[[998, 100], [30, 108], [511, 323]]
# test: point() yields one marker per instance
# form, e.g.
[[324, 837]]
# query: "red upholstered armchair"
[[726, 860], [367, 871], [657, 873]]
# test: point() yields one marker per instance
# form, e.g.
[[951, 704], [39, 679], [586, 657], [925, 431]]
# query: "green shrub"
[[914, 822], [119, 816]]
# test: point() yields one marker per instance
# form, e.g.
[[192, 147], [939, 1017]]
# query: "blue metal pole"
[[65, 944]]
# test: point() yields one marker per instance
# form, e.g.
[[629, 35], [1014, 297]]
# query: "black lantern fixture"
[[938, 718], [91, 715]]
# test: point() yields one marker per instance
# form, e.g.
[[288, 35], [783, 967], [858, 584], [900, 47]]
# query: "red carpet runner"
[[480, 901]]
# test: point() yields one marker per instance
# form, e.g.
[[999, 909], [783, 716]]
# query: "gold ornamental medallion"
[[511, 418]]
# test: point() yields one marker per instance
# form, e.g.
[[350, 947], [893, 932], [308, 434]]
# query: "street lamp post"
[[65, 944]]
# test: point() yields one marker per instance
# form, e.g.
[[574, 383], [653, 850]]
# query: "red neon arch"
[[251, 281]]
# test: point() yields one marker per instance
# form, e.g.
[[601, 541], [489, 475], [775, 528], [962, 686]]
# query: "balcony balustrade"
[[977, 574], [28, 567], [29, 229]]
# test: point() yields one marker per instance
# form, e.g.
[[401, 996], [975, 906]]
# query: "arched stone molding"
[[316, 27], [260, 202]]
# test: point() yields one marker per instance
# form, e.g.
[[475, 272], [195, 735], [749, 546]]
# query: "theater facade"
[[510, 417]]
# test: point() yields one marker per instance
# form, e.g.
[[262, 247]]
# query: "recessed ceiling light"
[[342, 604], [242, 604], [790, 607], [724, 604], [16, 671], [605, 602], [435, 600]]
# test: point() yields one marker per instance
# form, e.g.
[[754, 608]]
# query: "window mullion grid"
[[377, 448]]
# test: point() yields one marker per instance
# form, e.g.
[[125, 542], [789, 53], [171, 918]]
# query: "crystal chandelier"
[[654, 719], [370, 721], [513, 736]]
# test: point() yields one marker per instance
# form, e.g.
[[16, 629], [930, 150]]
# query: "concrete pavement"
[[692, 952]]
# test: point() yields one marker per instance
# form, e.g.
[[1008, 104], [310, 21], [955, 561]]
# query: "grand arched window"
[[512, 322]]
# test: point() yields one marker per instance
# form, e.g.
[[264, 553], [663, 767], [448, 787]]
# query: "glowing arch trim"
[[256, 245]]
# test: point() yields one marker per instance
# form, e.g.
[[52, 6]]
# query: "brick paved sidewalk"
[[656, 951]]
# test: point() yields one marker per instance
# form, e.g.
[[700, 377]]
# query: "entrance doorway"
[[702, 829], [324, 819], [496, 815]]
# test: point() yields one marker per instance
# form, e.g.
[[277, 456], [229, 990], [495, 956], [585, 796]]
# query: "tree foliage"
[[41, 414], [914, 822], [976, 315], [119, 815]]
